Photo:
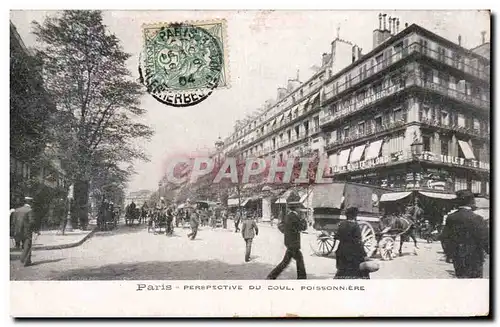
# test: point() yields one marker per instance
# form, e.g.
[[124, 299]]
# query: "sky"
[[265, 49]]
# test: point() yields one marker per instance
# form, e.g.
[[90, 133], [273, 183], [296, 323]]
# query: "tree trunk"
[[81, 191]]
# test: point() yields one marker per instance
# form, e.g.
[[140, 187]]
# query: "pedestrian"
[[249, 230], [237, 220], [25, 226], [224, 218], [194, 221], [350, 252], [169, 230], [291, 226], [466, 237]]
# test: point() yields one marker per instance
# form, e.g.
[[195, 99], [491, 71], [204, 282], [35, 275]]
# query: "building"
[[35, 169], [138, 197], [412, 114]]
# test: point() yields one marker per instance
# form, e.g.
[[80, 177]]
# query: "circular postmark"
[[181, 64]]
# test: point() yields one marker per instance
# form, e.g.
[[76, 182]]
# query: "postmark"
[[181, 64]]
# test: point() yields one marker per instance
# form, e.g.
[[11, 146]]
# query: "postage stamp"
[[183, 63]]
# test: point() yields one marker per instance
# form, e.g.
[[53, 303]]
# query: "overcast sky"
[[265, 49]]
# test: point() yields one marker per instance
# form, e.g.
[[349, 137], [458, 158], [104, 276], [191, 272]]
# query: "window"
[[361, 128], [476, 187], [316, 122], [444, 79], [445, 150], [445, 118], [274, 142], [289, 134], [461, 120], [477, 124], [398, 115], [441, 54], [424, 46], [378, 123], [306, 127], [427, 143], [297, 131], [460, 184], [346, 132]]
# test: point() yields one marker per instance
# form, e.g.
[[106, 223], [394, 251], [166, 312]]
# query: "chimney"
[[281, 93], [394, 25], [459, 39], [379, 21], [324, 58], [390, 25], [397, 26], [353, 53], [360, 53], [483, 37], [406, 25], [385, 26]]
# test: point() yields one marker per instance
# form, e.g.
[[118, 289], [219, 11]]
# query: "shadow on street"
[[121, 230], [177, 270]]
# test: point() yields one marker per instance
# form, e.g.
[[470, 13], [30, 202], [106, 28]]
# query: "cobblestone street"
[[131, 253]]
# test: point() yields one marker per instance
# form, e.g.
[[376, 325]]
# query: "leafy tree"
[[84, 69]]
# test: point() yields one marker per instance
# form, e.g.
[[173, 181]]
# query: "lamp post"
[[416, 151], [218, 147], [69, 226]]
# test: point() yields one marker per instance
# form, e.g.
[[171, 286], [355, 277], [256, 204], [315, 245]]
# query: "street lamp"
[[69, 227], [218, 147]]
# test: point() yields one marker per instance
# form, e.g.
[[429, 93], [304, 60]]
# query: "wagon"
[[329, 202]]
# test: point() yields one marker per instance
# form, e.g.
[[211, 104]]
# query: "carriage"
[[132, 214], [330, 201]]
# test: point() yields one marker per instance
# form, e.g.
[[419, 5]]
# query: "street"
[[131, 253]]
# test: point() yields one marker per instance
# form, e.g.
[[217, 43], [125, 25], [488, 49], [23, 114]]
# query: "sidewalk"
[[54, 240]]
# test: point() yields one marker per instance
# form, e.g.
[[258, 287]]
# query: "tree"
[[84, 69]]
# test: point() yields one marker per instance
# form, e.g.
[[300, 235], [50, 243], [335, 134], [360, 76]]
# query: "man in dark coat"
[[466, 236], [249, 230], [350, 252], [194, 221], [237, 220], [25, 226], [291, 226]]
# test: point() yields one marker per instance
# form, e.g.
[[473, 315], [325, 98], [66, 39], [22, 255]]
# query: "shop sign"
[[456, 160], [362, 164]]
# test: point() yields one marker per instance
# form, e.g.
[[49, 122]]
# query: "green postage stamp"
[[183, 63]]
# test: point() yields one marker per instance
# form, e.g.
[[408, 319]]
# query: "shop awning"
[[445, 196], [332, 160], [343, 157], [467, 150], [282, 199], [305, 196], [328, 195], [232, 202], [357, 153], [373, 150], [388, 197]]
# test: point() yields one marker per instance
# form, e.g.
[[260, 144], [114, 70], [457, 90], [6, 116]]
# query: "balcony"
[[328, 116], [369, 131], [455, 128], [443, 90]]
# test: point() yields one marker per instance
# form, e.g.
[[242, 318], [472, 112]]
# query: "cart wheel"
[[386, 248], [323, 244], [368, 238]]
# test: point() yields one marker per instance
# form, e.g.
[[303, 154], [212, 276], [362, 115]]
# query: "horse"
[[401, 225]]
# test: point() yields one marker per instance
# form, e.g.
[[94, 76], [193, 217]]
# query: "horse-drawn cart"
[[330, 201]]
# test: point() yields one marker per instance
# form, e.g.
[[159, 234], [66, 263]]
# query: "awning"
[[245, 201], [305, 196], [343, 157], [387, 197], [328, 195], [357, 153], [468, 153], [373, 150], [445, 196], [249, 186], [232, 202], [282, 199], [332, 160]]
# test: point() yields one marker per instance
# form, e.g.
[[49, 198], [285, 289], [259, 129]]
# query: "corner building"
[[412, 114]]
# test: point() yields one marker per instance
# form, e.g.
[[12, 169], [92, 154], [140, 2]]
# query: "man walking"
[[237, 220], [291, 226], [249, 230], [194, 221], [466, 237], [25, 226]]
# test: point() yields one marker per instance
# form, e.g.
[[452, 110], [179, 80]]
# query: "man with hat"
[[291, 226], [466, 237], [249, 230], [25, 226], [350, 252]]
